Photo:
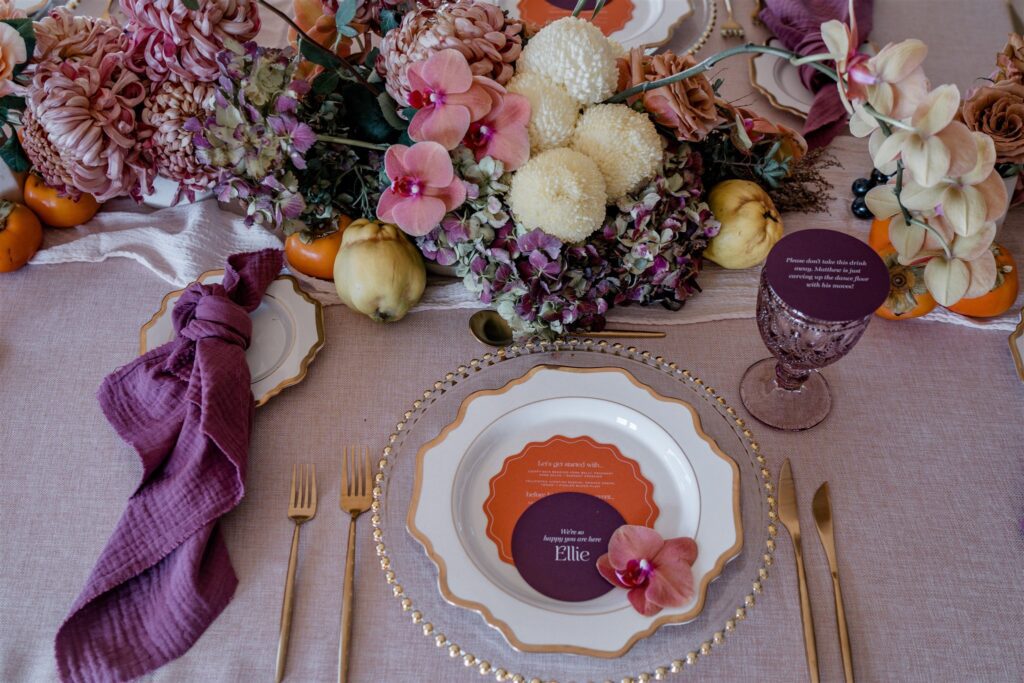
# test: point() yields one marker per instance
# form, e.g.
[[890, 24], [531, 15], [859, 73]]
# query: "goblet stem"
[[789, 378]]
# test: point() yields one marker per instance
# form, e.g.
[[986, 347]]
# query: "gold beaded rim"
[[706, 35], [486, 668]]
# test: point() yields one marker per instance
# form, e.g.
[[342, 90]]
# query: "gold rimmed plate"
[[696, 488], [288, 332]]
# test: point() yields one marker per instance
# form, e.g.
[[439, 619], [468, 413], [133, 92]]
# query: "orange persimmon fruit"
[[54, 210], [908, 296], [878, 238], [315, 257], [1001, 297], [21, 235]]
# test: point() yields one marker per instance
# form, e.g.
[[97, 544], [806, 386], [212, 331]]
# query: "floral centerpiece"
[[557, 173]]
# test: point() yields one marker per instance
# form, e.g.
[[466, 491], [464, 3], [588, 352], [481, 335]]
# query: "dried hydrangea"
[[254, 137], [649, 250]]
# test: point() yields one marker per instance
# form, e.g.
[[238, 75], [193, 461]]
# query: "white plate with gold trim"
[[287, 333], [696, 488]]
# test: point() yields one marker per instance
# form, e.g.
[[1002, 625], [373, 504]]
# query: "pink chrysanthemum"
[[170, 41]]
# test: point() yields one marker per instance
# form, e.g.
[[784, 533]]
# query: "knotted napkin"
[[797, 23], [186, 407]]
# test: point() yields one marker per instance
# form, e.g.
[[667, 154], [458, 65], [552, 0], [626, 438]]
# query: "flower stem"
[[351, 143], [578, 8], [710, 62], [890, 121], [330, 54]]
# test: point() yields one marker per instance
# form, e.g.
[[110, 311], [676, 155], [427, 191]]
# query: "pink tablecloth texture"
[[922, 450]]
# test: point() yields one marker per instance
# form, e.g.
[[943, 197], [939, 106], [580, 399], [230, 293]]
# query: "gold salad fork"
[[301, 509], [356, 487], [730, 27]]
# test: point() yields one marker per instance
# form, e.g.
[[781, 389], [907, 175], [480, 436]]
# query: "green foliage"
[[365, 117], [13, 155], [344, 16], [317, 54], [191, 4]]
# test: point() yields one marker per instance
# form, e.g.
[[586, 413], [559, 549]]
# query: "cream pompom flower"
[[623, 143], [560, 191], [554, 111], [576, 55]]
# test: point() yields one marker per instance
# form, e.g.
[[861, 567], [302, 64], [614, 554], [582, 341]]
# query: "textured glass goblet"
[[787, 391]]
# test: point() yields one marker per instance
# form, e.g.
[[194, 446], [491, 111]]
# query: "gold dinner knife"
[[791, 519], [822, 508]]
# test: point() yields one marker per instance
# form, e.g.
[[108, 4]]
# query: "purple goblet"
[[818, 291]]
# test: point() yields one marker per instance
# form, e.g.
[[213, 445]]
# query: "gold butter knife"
[[791, 519], [822, 508]]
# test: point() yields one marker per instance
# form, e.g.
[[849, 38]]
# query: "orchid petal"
[[984, 274], [947, 279], [984, 163], [906, 237], [477, 101], [444, 124], [937, 109], [394, 161], [446, 70], [419, 215], [875, 142], [453, 195], [975, 245], [670, 586], [964, 208], [881, 199], [836, 36], [888, 147], [638, 599], [895, 62], [917, 197], [676, 551], [430, 162], [994, 192], [862, 124], [927, 159], [386, 205], [605, 568], [632, 542], [963, 149]]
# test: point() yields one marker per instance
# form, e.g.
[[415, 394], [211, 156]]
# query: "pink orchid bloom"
[[423, 188], [655, 571], [448, 96], [502, 134]]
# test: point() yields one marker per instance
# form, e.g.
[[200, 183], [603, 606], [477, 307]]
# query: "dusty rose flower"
[[1010, 61], [12, 53], [166, 111], [757, 129], [62, 35], [687, 107], [656, 572], [998, 111], [9, 11], [168, 40]]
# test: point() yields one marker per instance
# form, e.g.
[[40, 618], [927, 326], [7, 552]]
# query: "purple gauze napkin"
[[187, 408], [797, 23]]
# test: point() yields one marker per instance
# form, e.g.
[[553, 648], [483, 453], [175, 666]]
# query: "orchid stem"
[[882, 118], [333, 56], [578, 8], [710, 62], [351, 143]]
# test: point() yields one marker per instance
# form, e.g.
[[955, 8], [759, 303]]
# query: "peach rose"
[[9, 11], [12, 53], [998, 112], [1011, 60], [686, 107]]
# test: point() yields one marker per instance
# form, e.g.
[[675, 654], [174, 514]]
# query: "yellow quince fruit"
[[751, 224]]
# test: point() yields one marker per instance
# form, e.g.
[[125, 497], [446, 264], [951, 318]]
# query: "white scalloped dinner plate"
[[652, 22], [696, 488], [287, 333]]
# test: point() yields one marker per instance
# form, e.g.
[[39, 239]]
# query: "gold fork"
[[301, 509], [730, 27], [355, 500]]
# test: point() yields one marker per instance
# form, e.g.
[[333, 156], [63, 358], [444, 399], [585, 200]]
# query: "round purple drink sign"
[[827, 275], [556, 543]]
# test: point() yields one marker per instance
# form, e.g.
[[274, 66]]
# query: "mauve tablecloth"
[[923, 451]]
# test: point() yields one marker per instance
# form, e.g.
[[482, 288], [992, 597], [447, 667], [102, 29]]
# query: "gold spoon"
[[491, 329]]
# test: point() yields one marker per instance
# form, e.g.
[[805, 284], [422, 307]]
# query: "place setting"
[[561, 503]]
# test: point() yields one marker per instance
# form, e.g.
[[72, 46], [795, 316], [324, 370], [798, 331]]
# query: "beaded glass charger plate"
[[287, 333], [461, 633]]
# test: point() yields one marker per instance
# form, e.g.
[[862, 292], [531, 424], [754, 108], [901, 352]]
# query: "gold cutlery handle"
[[805, 611], [346, 605], [728, 7], [625, 334], [844, 635], [286, 606]]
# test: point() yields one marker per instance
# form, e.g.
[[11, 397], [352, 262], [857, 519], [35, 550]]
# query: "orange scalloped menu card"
[[563, 464]]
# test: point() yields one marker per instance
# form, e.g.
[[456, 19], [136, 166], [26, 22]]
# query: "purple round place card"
[[827, 275], [556, 543]]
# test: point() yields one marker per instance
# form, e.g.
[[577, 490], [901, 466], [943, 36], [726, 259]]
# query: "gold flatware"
[[730, 27], [356, 487], [822, 508], [755, 16], [489, 328], [301, 509], [790, 517]]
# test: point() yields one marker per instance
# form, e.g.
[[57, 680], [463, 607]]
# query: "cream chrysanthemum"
[[561, 192], [576, 55], [623, 143], [553, 112]]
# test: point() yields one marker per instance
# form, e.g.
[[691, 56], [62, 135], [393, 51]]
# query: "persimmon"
[[55, 210], [878, 238], [315, 256], [908, 295], [1001, 297], [21, 235]]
